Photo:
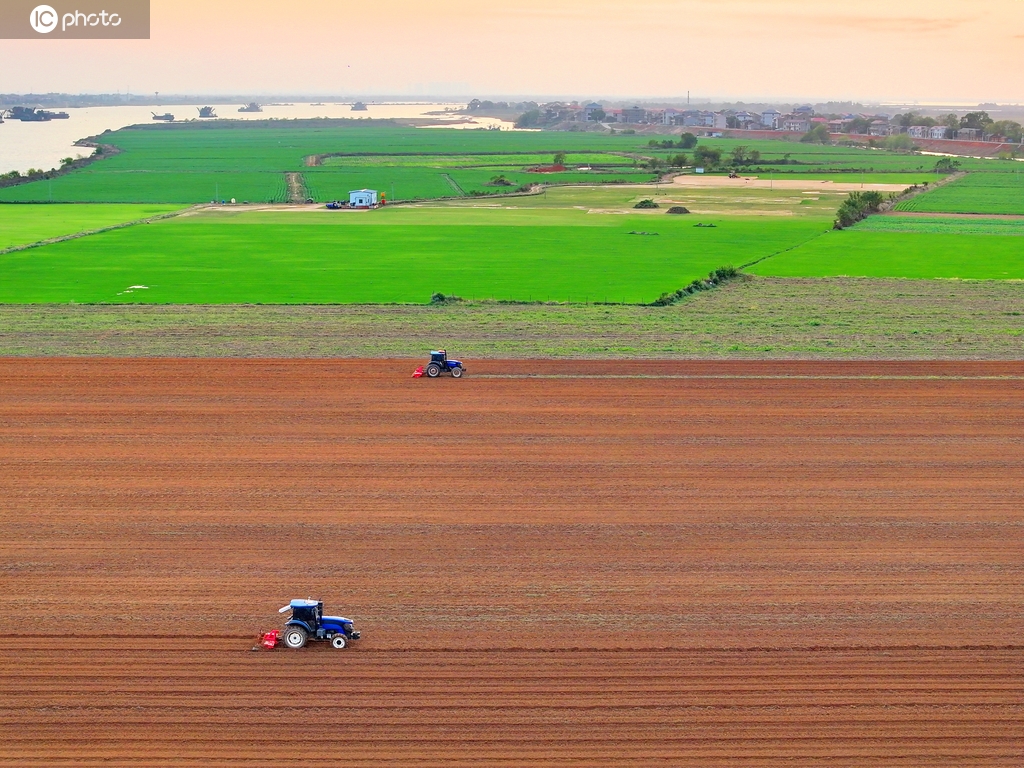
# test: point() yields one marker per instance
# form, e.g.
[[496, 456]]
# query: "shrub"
[[817, 135], [901, 142], [857, 207], [687, 141], [706, 157], [440, 298], [645, 204]]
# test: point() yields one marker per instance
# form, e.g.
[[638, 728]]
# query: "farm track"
[[296, 188], [712, 564], [459, 191]]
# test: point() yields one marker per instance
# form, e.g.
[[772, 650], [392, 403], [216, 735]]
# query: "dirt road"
[[692, 564], [808, 185]]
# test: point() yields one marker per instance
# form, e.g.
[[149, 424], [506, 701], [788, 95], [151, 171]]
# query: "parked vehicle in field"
[[440, 363], [309, 623]]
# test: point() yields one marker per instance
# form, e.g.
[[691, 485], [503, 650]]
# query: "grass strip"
[[757, 318]]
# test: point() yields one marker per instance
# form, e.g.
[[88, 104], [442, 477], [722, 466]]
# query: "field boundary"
[[454, 185], [784, 250], [313, 161], [111, 228]]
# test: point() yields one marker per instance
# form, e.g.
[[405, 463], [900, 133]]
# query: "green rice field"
[[583, 243], [942, 225], [196, 163], [24, 224], [924, 255], [200, 162], [998, 193], [795, 157], [396, 255]]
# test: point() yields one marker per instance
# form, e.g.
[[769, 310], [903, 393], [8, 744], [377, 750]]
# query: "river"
[[43, 145]]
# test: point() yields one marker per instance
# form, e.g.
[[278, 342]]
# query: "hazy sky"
[[926, 50]]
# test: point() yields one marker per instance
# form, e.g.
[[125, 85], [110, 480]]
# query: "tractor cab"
[[439, 356], [307, 612]]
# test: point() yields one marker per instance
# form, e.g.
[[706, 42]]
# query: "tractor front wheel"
[[295, 637], [457, 373], [433, 370], [339, 642]]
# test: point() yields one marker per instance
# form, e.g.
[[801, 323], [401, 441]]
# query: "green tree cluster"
[[858, 206], [817, 135], [530, 119], [686, 141], [706, 157], [741, 156], [901, 142]]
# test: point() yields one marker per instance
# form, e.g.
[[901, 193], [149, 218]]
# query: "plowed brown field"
[[679, 564]]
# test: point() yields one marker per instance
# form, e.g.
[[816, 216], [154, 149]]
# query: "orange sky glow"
[[925, 50]]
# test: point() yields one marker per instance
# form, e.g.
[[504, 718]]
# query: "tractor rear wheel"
[[457, 373], [433, 370], [295, 637], [339, 642]]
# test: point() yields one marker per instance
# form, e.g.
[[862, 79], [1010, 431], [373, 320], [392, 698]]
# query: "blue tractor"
[[309, 623], [439, 363]]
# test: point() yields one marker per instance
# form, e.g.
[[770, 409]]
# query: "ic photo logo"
[[43, 19]]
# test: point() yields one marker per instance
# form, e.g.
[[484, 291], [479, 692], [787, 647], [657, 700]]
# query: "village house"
[[634, 115], [589, 110], [770, 119], [969, 134], [918, 131], [879, 128], [796, 124], [670, 116], [748, 120], [938, 132]]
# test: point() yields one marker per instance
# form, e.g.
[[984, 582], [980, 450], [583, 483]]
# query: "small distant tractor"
[[309, 623], [439, 363]]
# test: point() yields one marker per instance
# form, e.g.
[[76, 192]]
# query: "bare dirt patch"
[[702, 564]]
